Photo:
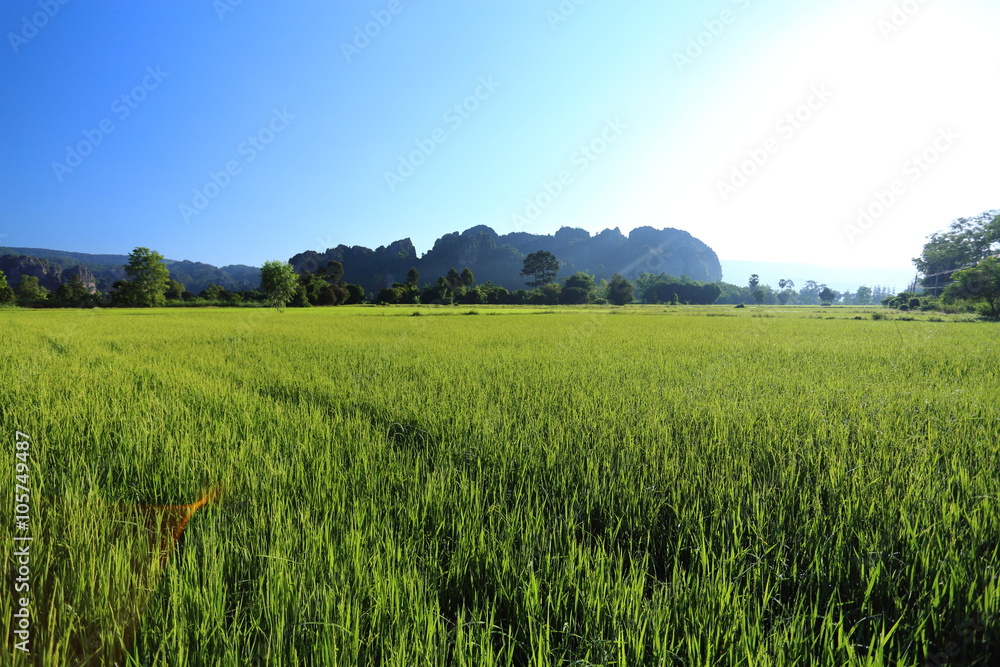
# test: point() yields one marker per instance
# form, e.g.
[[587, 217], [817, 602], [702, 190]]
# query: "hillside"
[[499, 258], [104, 270]]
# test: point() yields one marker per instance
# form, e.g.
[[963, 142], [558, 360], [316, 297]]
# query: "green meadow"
[[424, 486]]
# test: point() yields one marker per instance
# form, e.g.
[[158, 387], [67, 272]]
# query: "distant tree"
[[334, 271], [466, 277], [387, 295], [6, 293], [211, 292], [541, 267], [863, 296], [175, 290], [73, 291], [578, 289], [413, 276], [280, 284], [148, 278], [980, 283], [551, 293], [759, 295], [317, 290], [810, 293], [454, 279], [620, 290], [826, 295], [438, 293], [30, 290], [753, 282], [355, 294]]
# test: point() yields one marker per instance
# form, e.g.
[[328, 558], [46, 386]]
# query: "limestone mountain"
[[499, 258]]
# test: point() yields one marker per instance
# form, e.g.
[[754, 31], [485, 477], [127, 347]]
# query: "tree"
[[578, 288], [279, 283], [334, 271], [620, 290], [355, 294], [826, 295], [810, 293], [980, 283], [454, 280], [6, 293], [175, 290], [759, 295], [754, 281], [967, 241], [466, 277], [541, 266], [413, 276], [148, 278], [211, 292], [863, 297], [30, 290]]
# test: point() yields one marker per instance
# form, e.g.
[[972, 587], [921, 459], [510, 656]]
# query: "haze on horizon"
[[234, 133]]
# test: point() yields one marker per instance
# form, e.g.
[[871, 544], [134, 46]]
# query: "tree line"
[[961, 260]]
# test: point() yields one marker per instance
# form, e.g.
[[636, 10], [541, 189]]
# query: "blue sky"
[[237, 132]]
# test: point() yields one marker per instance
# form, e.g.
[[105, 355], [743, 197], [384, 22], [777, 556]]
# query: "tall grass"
[[544, 487]]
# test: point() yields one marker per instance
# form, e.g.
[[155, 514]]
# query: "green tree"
[[175, 290], [413, 276], [355, 294], [966, 242], [578, 288], [541, 267], [466, 277], [454, 279], [279, 283], [550, 293], [6, 293], [826, 295], [148, 278], [863, 296], [29, 289], [620, 290], [753, 282], [980, 283], [334, 271], [211, 292], [759, 295]]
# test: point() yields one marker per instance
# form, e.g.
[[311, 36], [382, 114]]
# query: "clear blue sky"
[[184, 86]]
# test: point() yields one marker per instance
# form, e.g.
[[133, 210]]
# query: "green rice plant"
[[592, 487]]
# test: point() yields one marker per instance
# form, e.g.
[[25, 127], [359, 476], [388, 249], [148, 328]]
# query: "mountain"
[[491, 257], [49, 274], [499, 258], [104, 270]]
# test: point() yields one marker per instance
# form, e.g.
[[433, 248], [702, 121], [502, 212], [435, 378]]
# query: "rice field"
[[618, 486]]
